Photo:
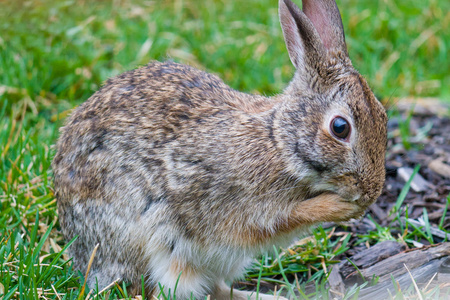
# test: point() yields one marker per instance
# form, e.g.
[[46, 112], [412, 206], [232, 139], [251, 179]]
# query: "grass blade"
[[405, 190]]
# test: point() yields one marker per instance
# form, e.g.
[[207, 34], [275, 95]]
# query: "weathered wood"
[[369, 257], [439, 167], [337, 285], [413, 259], [378, 212], [391, 269], [418, 183], [444, 272], [386, 287]]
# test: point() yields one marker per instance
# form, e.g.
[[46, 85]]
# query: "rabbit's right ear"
[[311, 33]]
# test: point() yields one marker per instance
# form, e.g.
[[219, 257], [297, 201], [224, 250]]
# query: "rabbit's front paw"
[[326, 208]]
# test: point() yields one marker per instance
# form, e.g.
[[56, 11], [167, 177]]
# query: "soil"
[[430, 149]]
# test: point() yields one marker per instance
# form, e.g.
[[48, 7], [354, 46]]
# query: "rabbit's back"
[[126, 136], [127, 123], [159, 144]]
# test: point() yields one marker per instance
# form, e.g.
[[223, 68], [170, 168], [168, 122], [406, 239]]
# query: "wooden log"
[[367, 258], [413, 259], [425, 266], [388, 285], [337, 285]]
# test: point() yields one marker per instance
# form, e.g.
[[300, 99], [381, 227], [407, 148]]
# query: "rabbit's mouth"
[[354, 198], [351, 195]]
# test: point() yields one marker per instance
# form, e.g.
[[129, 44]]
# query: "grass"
[[55, 54]]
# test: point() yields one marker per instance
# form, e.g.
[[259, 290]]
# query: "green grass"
[[55, 54]]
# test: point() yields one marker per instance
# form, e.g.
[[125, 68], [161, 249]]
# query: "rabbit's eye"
[[340, 128]]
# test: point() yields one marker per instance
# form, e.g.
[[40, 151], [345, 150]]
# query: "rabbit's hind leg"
[[223, 292], [180, 278]]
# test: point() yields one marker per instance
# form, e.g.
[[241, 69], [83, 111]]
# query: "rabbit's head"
[[338, 125]]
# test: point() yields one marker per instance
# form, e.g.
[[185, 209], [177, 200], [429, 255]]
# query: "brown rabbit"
[[179, 177]]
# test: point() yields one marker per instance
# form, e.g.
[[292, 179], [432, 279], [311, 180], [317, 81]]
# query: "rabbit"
[[183, 180]]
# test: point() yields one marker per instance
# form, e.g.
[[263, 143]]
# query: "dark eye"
[[340, 128]]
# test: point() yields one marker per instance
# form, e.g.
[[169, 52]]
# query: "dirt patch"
[[427, 146]]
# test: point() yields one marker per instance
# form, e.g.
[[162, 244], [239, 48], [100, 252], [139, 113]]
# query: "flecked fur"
[[171, 171]]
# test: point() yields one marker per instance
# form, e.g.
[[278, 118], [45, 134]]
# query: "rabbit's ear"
[[309, 34], [326, 18]]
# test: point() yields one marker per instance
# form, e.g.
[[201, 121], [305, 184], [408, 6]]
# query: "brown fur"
[[323, 208], [169, 169]]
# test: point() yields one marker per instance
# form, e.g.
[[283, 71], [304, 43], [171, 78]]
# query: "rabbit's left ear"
[[326, 18]]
